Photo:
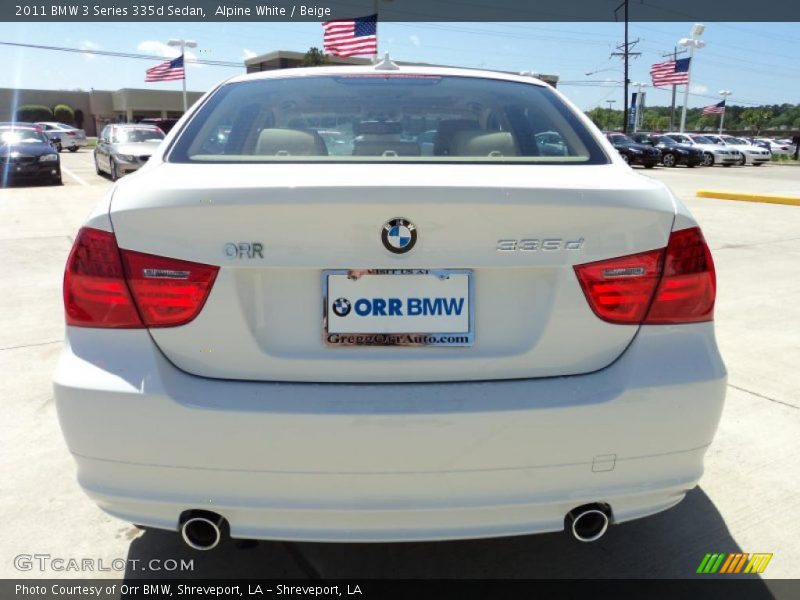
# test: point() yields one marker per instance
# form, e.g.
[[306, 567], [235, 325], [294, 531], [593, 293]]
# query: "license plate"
[[398, 307]]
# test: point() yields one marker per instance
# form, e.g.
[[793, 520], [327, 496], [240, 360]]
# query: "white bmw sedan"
[[274, 336]]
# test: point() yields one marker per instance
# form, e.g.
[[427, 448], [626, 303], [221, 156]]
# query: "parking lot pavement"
[[745, 501]]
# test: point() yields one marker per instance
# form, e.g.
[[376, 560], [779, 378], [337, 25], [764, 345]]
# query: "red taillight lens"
[[95, 293], [688, 286], [619, 290], [168, 292], [108, 287], [672, 285]]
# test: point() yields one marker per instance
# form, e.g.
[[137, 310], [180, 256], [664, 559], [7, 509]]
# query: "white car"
[[776, 148], [384, 346], [714, 153], [65, 136], [748, 153]]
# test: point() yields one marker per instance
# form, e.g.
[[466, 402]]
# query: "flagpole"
[[724, 94], [183, 44], [691, 43], [375, 56]]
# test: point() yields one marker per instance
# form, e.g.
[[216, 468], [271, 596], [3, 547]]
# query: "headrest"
[[481, 143], [290, 142], [385, 148], [443, 140]]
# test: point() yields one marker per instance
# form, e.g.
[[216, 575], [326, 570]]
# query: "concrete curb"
[[766, 198]]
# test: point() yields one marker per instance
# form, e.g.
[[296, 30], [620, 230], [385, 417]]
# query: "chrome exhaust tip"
[[588, 523], [202, 531]]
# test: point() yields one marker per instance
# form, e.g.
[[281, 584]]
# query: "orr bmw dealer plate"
[[398, 307]]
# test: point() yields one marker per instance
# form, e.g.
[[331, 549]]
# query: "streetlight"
[[602, 70], [183, 44], [691, 44], [724, 94], [637, 116]]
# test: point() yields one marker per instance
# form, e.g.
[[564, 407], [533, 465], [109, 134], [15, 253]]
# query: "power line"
[[210, 63]]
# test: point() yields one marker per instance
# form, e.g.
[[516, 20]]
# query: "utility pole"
[[625, 52], [674, 56]]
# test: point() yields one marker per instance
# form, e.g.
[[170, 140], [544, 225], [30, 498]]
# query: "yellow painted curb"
[[767, 198]]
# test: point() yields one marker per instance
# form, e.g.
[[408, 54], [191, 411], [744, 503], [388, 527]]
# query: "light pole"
[[609, 121], [724, 94], [637, 118], [183, 44], [690, 43]]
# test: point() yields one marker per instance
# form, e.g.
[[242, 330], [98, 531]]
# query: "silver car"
[[63, 136], [123, 148]]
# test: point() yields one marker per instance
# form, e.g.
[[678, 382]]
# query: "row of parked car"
[[691, 149]]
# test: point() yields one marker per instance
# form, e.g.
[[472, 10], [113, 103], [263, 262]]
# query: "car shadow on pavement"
[[668, 545]]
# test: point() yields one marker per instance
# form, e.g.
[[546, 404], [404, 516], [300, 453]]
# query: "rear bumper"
[[377, 462]]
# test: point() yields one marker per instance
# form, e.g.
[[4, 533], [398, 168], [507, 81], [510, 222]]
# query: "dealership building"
[[127, 105]]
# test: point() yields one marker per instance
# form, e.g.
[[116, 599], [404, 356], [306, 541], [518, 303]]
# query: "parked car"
[[165, 124], [713, 154], [509, 342], [63, 135], [124, 148], [26, 153], [633, 153], [748, 154], [672, 153], [775, 148]]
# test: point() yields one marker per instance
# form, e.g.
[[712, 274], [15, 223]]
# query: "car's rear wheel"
[[742, 161], [669, 160], [708, 159]]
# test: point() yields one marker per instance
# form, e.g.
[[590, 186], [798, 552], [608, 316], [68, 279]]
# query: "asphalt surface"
[[744, 503]]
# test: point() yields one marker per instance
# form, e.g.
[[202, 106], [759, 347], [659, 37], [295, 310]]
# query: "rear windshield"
[[139, 134], [386, 118]]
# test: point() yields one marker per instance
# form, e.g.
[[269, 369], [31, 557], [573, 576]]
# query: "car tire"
[[626, 158], [56, 180], [708, 159], [97, 166], [670, 160], [59, 147], [73, 148], [649, 165], [114, 174], [742, 162]]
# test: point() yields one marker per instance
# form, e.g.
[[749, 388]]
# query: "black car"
[[672, 153], [26, 153], [633, 153]]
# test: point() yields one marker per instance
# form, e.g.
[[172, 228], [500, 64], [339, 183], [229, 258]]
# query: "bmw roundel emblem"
[[341, 306], [399, 235]]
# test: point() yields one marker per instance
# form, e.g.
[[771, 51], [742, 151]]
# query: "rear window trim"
[[598, 155]]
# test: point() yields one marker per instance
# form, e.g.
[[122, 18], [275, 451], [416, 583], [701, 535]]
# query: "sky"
[[758, 62]]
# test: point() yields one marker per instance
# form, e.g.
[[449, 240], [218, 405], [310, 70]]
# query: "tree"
[[314, 58], [756, 118], [32, 113], [64, 114]]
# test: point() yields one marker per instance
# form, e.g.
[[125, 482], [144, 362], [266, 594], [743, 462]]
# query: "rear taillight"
[[688, 285], [108, 287], [168, 292], [675, 284]]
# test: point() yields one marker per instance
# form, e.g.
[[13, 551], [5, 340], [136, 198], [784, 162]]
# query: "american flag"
[[351, 37], [715, 109], [672, 72], [169, 70]]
